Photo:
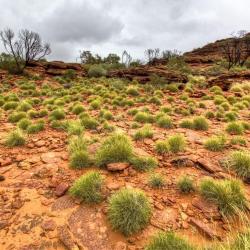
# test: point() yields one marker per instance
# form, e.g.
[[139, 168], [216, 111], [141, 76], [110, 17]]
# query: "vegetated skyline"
[[107, 26]]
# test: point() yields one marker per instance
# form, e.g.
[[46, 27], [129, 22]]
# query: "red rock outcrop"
[[142, 74]]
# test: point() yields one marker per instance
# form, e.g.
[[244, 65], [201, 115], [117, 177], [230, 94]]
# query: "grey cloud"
[[80, 22], [106, 26]]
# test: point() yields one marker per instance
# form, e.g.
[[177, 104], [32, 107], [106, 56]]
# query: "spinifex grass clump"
[[116, 148], [132, 90], [174, 144], [143, 164], [164, 122], [238, 140], [79, 157], [15, 138], [24, 123], [200, 123], [239, 161], [89, 122], [74, 127], [77, 109], [186, 123], [145, 132], [129, 211], [57, 114], [168, 241], [144, 117], [16, 116], [36, 127], [88, 187], [10, 105], [235, 128], [156, 180], [227, 194], [215, 143], [186, 184]]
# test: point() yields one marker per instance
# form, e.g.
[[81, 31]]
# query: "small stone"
[[113, 186], [120, 246], [117, 166], [6, 162], [2, 178], [61, 189], [49, 225]]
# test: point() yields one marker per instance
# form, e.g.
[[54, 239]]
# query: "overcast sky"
[[105, 26]]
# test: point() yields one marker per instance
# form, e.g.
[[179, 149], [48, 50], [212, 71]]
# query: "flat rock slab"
[[62, 203], [50, 157], [89, 228], [208, 166], [66, 238], [117, 166], [204, 229]]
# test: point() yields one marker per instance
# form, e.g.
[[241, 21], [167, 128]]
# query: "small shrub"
[[143, 163], [156, 180], [227, 194], [15, 138], [129, 211], [88, 187], [96, 71], [235, 128], [168, 241], [185, 184], [115, 148], [215, 143], [200, 123]]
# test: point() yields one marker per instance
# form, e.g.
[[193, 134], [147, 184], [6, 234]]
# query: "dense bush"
[[96, 71]]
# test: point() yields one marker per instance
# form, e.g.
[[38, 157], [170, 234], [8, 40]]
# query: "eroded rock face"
[[143, 73], [57, 68]]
